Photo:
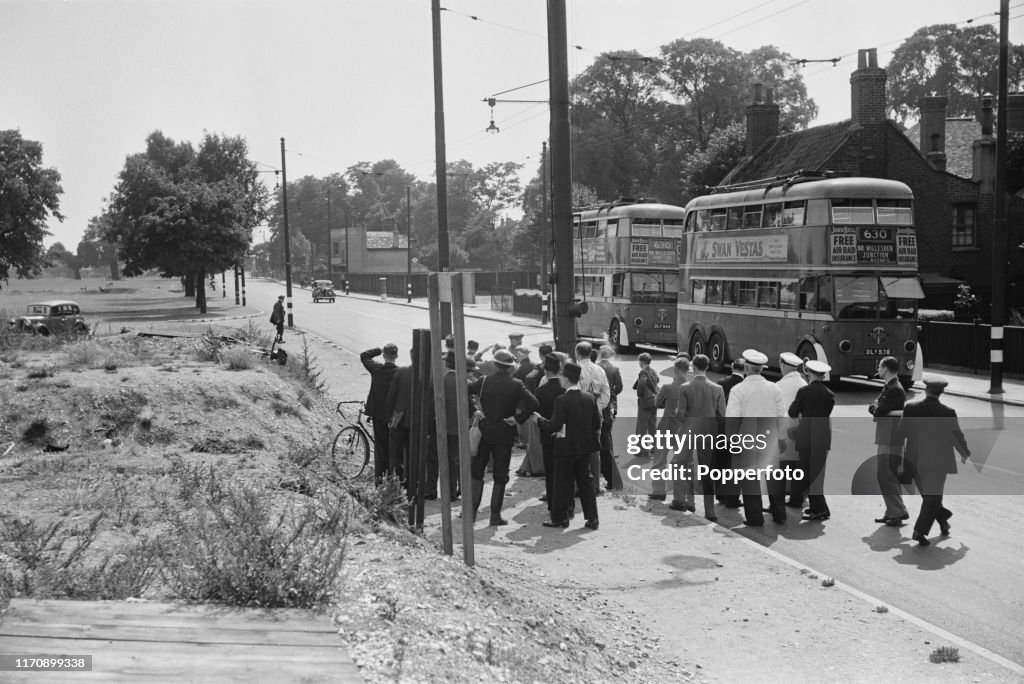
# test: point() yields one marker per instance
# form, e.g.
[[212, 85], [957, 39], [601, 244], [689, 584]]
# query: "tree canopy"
[[944, 59], [29, 193], [186, 211]]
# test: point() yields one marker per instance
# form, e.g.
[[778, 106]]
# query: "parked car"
[[323, 289], [54, 317]]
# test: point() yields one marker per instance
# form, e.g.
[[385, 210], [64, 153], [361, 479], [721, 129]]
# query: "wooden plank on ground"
[[181, 643]]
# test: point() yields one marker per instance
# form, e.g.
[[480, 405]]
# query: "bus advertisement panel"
[[824, 268], [626, 264]]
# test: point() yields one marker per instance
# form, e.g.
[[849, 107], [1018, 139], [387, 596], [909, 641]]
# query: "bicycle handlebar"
[[362, 407]]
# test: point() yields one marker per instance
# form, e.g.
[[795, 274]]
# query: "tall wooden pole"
[[1000, 232], [462, 400], [561, 176], [287, 239], [439, 369], [440, 161]]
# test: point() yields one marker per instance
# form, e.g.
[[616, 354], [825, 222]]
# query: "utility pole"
[[287, 239], [545, 234], [330, 274], [561, 178], [348, 271], [441, 162], [408, 245], [1000, 236]]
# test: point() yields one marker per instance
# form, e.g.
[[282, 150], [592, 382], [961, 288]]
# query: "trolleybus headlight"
[[910, 364], [638, 322], [845, 346], [909, 346]]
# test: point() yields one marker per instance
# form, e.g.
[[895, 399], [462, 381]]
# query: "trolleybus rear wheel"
[[717, 352], [615, 338], [698, 345]]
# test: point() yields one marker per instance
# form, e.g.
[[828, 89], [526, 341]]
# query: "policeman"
[[813, 404]]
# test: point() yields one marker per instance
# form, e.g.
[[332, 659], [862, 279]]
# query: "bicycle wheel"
[[350, 452]]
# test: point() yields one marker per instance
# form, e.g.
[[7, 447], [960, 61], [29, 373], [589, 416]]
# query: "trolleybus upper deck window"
[[853, 211], [895, 213], [672, 228]]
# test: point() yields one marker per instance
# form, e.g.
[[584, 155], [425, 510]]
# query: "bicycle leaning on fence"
[[352, 450]]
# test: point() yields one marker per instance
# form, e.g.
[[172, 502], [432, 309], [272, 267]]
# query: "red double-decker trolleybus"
[[822, 267], [626, 266]]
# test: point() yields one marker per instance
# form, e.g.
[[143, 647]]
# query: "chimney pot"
[[873, 58], [757, 93]]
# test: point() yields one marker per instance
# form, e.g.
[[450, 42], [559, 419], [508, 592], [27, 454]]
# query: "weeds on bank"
[[945, 654], [242, 552]]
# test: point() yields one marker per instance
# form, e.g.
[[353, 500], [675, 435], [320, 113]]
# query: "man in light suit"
[[755, 408], [790, 382], [701, 406], [932, 432]]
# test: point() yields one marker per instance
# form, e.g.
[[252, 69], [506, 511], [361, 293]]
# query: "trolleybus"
[[626, 261], [823, 267]]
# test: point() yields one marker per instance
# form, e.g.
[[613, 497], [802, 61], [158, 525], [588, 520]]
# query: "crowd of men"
[[561, 411]]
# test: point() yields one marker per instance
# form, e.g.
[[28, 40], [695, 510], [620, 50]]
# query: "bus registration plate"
[[877, 351]]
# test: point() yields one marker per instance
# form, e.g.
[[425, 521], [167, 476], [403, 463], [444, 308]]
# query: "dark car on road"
[[54, 317], [323, 289]]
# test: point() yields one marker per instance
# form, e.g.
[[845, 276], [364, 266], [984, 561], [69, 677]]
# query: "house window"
[[964, 224]]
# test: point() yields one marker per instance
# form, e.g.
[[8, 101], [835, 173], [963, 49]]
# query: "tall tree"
[[706, 168], [185, 211], [29, 193], [944, 59]]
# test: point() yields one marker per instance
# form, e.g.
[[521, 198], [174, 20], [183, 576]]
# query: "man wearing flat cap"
[[790, 382], [755, 408], [499, 394], [277, 319], [813, 405], [932, 432]]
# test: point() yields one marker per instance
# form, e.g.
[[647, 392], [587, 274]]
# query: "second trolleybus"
[[626, 266]]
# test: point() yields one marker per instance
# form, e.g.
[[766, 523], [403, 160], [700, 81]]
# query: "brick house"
[[953, 212]]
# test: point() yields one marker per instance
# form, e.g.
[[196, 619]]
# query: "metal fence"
[[485, 282], [967, 345]]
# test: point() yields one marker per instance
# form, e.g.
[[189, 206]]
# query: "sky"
[[350, 81]]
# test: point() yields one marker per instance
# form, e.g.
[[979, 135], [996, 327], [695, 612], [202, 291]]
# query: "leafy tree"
[[28, 194], [944, 59], [189, 212], [95, 238], [307, 217], [706, 168]]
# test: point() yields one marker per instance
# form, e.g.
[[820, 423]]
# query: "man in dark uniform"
[[887, 410], [932, 432], [499, 394], [646, 387], [381, 375], [813, 406], [728, 493], [576, 417], [398, 408], [547, 393]]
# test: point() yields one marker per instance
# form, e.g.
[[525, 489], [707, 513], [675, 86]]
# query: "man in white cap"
[[755, 409], [932, 432], [790, 382], [813, 404]]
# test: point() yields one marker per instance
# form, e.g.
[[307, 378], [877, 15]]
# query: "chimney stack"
[[762, 119], [983, 168], [933, 129], [1015, 113], [867, 89]]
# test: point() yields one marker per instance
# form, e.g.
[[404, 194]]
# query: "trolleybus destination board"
[[873, 245]]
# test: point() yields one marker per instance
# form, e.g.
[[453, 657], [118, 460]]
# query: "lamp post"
[[330, 246], [287, 239]]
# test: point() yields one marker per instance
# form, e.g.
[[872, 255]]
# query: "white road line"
[[1010, 665]]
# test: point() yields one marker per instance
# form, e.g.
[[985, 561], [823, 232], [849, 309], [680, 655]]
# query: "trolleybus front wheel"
[[615, 338]]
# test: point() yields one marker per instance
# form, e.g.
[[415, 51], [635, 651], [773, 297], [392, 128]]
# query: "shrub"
[[240, 551], [237, 358], [386, 501], [37, 432]]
